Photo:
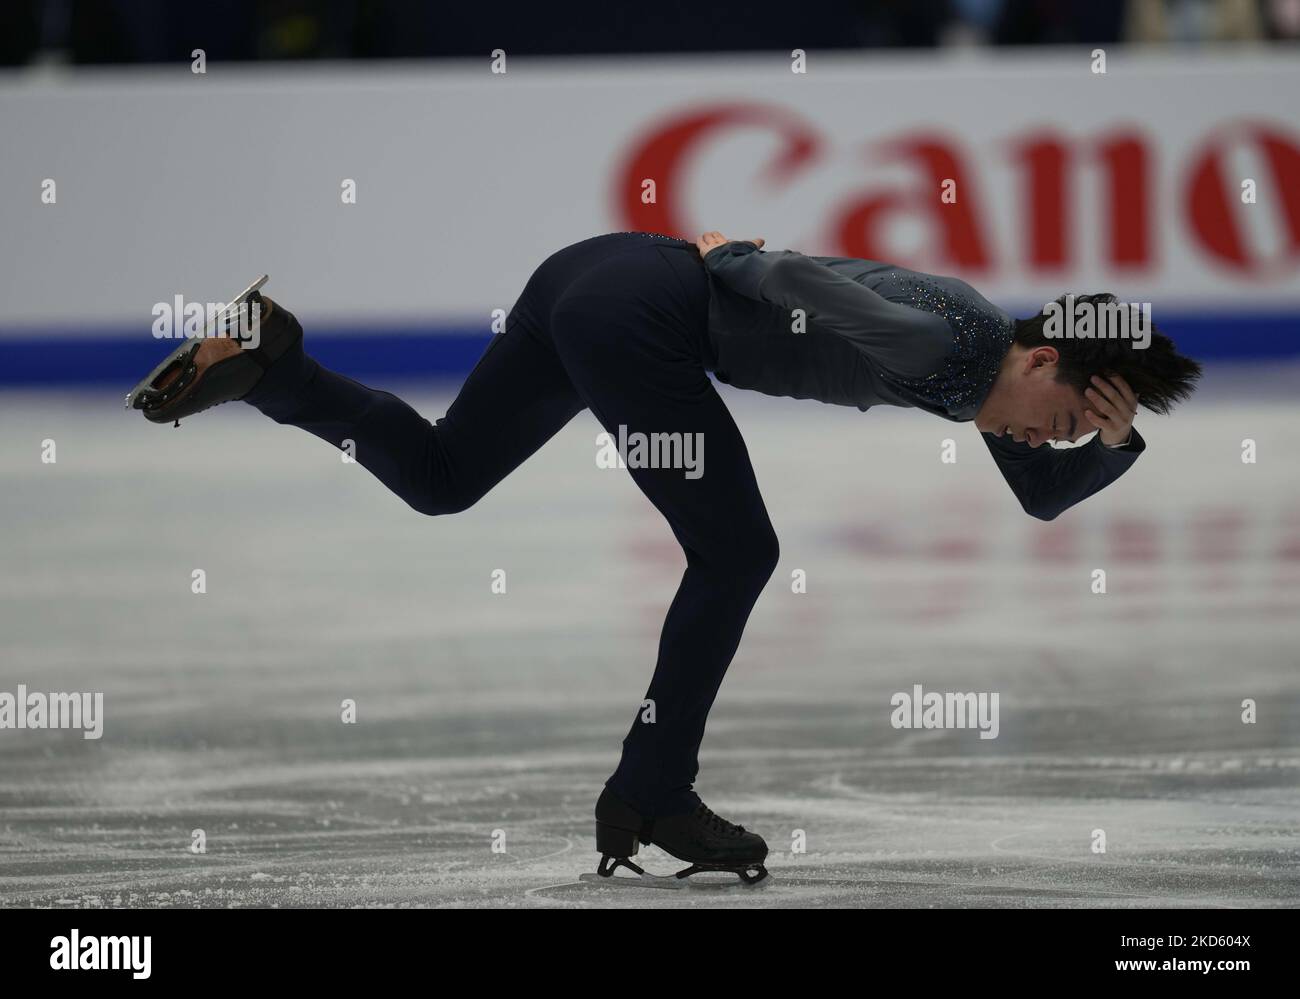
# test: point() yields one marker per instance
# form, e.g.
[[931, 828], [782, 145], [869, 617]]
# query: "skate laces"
[[717, 822]]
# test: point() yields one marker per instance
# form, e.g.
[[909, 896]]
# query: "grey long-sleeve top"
[[875, 334]]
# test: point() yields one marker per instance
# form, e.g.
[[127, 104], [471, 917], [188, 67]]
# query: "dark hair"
[[1158, 374]]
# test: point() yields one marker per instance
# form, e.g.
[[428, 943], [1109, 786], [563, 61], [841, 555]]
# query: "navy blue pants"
[[616, 324]]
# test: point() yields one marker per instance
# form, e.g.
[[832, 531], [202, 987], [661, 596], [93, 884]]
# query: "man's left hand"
[[712, 240]]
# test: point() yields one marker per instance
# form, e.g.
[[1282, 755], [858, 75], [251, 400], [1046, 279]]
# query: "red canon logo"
[[1048, 165]]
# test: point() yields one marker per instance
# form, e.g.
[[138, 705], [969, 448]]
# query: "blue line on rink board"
[[359, 353], [124, 356]]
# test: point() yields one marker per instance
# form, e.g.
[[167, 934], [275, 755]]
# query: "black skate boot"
[[221, 365], [704, 840]]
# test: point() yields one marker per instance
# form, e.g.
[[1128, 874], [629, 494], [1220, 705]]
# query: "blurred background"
[[126, 31], [1167, 173], [399, 169]]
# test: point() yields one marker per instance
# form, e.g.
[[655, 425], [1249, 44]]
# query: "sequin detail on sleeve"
[[981, 340]]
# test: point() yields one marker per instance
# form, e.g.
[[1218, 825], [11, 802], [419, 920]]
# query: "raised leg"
[[516, 398]]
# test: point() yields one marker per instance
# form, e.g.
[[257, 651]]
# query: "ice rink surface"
[[484, 715]]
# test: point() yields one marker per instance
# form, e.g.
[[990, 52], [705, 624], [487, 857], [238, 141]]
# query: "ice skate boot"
[[704, 840], [222, 365]]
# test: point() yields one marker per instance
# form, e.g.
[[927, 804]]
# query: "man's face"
[[1029, 405]]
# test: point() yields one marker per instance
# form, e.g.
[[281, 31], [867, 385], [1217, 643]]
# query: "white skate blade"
[[635, 881], [234, 304], [243, 295], [725, 881]]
